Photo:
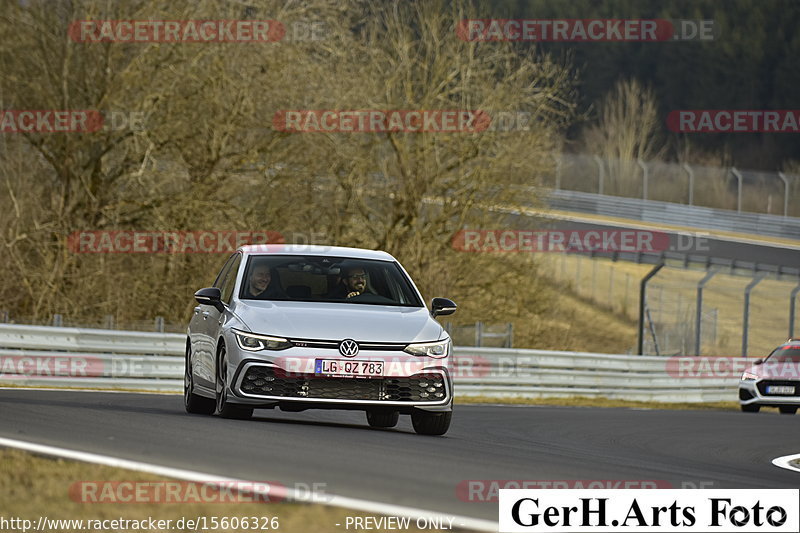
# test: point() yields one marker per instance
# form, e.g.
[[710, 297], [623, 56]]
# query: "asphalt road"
[[682, 448]]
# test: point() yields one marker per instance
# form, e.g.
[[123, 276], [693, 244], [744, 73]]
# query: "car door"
[[202, 331]]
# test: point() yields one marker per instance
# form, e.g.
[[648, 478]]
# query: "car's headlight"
[[254, 343], [748, 376], [437, 350]]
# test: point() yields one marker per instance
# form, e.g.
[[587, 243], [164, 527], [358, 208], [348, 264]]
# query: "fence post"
[[690, 172], [611, 288], [510, 335], [792, 303], [645, 177], [160, 324], [478, 333], [4, 317], [698, 319], [627, 286], [746, 318], [739, 189], [782, 176], [642, 296], [600, 174], [557, 157], [58, 320]]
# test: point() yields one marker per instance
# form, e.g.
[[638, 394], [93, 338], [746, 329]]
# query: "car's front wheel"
[[431, 423], [383, 419], [787, 409], [224, 408], [194, 403], [751, 408]]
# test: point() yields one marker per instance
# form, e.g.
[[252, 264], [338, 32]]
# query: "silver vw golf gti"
[[311, 327]]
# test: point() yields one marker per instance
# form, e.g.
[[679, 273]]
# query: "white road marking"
[[290, 494], [786, 462]]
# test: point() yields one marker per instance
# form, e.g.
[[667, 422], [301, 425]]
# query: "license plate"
[[780, 389], [351, 369]]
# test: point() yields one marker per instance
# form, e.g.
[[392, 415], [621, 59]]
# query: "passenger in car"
[[264, 284]]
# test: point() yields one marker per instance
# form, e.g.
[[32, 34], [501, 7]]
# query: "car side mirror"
[[758, 361], [442, 307], [210, 296]]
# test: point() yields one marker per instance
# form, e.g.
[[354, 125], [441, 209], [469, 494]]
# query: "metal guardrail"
[[658, 212], [38, 356]]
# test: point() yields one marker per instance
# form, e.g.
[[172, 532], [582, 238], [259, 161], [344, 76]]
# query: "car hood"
[[335, 321]]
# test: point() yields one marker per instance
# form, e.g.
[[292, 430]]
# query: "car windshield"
[[786, 354], [311, 278]]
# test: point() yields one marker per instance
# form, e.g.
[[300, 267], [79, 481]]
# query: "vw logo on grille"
[[348, 347]]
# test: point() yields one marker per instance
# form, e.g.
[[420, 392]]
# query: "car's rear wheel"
[[194, 403], [787, 409], [224, 408], [383, 419], [431, 423], [751, 408]]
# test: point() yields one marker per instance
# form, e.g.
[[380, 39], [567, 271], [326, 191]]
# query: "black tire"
[[382, 419], [431, 423], [224, 408], [193, 403], [787, 409], [751, 408]]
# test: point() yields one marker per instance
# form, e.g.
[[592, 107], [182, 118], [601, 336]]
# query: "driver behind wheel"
[[353, 281]]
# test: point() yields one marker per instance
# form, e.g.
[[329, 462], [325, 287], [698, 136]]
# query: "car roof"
[[311, 249]]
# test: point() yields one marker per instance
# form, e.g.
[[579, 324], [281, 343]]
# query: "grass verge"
[[34, 486]]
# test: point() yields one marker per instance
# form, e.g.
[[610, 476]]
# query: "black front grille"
[[271, 381], [762, 387]]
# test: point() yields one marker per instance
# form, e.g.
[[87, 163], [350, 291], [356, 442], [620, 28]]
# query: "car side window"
[[223, 272], [230, 279]]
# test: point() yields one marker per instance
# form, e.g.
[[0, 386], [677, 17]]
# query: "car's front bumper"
[[287, 379], [756, 392]]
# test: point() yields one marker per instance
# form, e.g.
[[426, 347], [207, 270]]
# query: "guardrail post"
[[739, 189], [690, 173], [782, 176], [746, 317], [160, 324], [510, 335], [109, 321], [792, 303], [642, 299], [478, 333], [645, 177], [600, 174], [698, 319], [58, 320]]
